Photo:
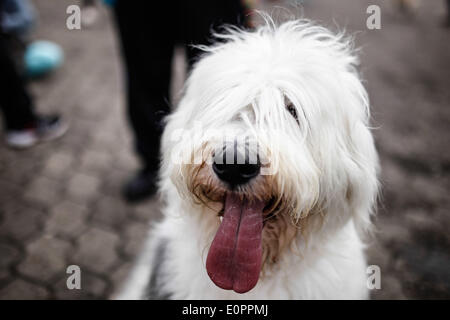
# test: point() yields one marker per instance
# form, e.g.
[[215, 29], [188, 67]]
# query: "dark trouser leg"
[[148, 38], [448, 11], [15, 102], [147, 43], [203, 16]]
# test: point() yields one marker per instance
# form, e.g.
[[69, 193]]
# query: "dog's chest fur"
[[335, 269]]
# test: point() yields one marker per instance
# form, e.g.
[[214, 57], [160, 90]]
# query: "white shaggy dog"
[[269, 173]]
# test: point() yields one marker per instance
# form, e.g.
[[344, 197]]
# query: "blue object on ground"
[[42, 57]]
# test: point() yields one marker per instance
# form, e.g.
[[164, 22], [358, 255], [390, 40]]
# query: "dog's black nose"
[[233, 171]]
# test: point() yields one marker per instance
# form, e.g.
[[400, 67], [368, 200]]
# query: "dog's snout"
[[235, 169]]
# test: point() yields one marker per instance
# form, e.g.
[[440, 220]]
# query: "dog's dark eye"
[[292, 111]]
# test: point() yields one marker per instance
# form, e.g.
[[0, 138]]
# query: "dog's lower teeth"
[[221, 218]]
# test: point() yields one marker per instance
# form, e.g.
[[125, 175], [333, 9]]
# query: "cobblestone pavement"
[[60, 202]]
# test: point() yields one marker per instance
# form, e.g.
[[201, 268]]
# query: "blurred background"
[[61, 202]]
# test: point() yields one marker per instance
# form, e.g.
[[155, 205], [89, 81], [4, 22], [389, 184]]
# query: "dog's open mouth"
[[235, 257]]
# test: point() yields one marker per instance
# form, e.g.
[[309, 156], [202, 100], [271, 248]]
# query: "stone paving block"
[[67, 219], [105, 138], [92, 287], [95, 161], [135, 234], [82, 127], [23, 290], [109, 211], [76, 141], [8, 206], [8, 255], [428, 190], [82, 188], [8, 191], [127, 160], [112, 122], [391, 232], [147, 210], [44, 190], [19, 170], [113, 182], [59, 165], [7, 155], [391, 288], [441, 215], [93, 109], [45, 259], [425, 219], [22, 224], [110, 149], [5, 276], [96, 250]]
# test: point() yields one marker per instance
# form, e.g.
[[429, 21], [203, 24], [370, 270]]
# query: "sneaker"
[[140, 187], [47, 128], [21, 139], [51, 127]]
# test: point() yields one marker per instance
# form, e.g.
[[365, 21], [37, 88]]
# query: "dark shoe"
[[51, 127], [140, 187]]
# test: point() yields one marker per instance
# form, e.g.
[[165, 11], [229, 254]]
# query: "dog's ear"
[[173, 134], [362, 176]]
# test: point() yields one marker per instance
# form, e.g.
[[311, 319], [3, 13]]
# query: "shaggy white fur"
[[294, 90]]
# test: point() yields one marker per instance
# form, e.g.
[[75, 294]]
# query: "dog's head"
[[270, 141]]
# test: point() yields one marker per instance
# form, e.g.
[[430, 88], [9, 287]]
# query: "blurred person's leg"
[[23, 127], [145, 29], [203, 16], [148, 39], [15, 101], [447, 22]]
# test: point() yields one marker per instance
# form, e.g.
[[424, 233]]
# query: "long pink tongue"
[[234, 259]]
